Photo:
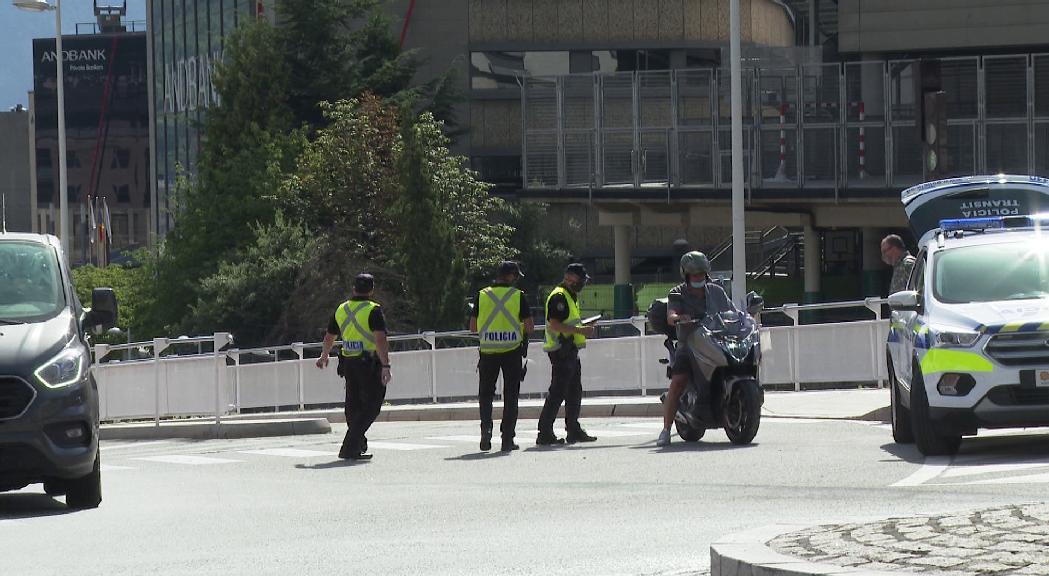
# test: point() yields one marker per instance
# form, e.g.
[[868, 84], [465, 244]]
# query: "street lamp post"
[[63, 195]]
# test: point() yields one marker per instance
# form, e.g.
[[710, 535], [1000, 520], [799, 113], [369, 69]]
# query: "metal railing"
[[841, 126], [220, 380]]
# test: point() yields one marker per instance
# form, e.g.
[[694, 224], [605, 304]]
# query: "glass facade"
[[107, 139], [187, 39]]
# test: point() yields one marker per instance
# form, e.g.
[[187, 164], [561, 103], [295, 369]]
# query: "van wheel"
[[929, 440], [902, 431], [86, 492]]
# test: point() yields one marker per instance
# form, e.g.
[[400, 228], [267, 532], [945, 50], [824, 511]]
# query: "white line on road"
[[933, 467], [105, 447], [114, 468], [1028, 479], [972, 470], [289, 453], [402, 446], [187, 459]]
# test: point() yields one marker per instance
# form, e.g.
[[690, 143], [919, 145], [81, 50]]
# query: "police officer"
[[565, 336], [502, 322], [364, 361]]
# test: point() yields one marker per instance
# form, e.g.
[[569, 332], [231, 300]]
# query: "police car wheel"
[[902, 432], [930, 441]]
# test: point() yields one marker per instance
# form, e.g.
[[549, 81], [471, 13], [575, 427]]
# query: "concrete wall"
[[613, 22], [14, 169], [908, 25]]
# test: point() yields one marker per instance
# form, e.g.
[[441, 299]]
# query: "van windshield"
[[992, 272], [30, 282]]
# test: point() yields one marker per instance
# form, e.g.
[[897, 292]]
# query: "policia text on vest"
[[565, 336], [364, 362], [502, 322]]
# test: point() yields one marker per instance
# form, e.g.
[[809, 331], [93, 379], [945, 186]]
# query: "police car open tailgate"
[[973, 197]]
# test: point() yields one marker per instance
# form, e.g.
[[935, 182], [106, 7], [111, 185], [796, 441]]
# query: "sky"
[[17, 30]]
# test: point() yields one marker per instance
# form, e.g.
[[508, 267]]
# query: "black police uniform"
[[510, 364], [365, 391], [566, 378]]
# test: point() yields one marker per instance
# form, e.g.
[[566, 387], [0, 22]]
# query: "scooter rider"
[[687, 301]]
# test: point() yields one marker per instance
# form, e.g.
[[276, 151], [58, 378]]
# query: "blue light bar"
[[972, 224]]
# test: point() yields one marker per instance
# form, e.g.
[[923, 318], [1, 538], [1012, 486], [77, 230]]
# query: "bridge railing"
[[152, 380]]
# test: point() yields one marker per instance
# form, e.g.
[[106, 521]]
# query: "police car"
[[968, 345]]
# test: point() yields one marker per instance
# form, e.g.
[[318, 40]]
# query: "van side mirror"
[[755, 303], [103, 310], [905, 301]]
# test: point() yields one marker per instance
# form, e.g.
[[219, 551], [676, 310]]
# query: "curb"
[[745, 554], [198, 430]]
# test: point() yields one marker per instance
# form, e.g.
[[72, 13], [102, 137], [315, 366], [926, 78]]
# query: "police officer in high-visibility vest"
[[364, 361], [502, 322], [565, 336]]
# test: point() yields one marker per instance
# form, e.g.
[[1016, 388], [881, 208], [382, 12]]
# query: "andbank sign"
[[188, 85]]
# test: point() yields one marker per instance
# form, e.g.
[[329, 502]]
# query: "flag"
[[92, 225], [108, 223]]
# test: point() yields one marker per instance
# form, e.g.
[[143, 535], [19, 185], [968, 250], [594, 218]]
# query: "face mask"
[[698, 285]]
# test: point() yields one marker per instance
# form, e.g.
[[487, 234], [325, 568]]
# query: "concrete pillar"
[[872, 264], [623, 294], [813, 263]]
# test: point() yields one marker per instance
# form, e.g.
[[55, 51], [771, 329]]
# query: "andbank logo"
[[97, 55]]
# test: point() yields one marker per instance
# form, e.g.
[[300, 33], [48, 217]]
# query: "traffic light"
[[932, 119]]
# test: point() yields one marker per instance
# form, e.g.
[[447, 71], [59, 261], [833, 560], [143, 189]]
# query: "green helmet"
[[694, 262]]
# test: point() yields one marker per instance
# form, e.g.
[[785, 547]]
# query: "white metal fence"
[[222, 381]]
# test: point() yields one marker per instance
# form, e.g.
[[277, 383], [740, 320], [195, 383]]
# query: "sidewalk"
[[1008, 540], [832, 404]]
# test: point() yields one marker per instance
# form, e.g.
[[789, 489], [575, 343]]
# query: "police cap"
[[507, 267], [364, 283]]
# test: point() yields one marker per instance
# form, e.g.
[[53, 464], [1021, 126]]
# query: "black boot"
[[508, 445], [548, 439], [486, 439], [579, 435]]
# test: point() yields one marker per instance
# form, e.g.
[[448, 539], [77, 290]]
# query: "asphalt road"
[[431, 503]]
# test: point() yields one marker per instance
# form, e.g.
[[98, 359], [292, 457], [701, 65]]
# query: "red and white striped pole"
[[863, 145], [781, 171]]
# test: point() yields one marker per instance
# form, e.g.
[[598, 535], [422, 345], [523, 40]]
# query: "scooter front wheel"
[[687, 433], [741, 414]]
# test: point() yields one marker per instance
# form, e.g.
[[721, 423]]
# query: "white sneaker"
[[664, 439]]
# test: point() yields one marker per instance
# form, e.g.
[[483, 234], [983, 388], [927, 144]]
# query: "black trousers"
[[364, 397], [566, 385], [488, 369]]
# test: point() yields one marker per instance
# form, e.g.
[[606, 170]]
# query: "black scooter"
[[724, 348]]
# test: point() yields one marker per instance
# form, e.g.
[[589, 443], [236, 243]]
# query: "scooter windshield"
[[729, 322]]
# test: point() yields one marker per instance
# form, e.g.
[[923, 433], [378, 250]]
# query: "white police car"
[[968, 345]]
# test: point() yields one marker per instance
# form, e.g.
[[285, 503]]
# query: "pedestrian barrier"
[[221, 380]]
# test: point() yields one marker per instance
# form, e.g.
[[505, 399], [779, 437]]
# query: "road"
[[430, 503]]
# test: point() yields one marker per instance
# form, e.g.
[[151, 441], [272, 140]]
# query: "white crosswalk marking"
[[402, 446], [1028, 479], [289, 453], [933, 467], [972, 470], [188, 459], [113, 468], [106, 447]]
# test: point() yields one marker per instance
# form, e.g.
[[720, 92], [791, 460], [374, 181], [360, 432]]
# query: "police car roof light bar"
[[971, 224]]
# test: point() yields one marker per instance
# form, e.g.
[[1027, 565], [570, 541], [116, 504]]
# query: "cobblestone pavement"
[[1011, 540]]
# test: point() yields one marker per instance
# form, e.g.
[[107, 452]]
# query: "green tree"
[[248, 293], [129, 283], [250, 144]]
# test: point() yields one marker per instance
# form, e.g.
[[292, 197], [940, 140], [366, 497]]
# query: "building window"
[[505, 170], [123, 193], [610, 61], [43, 157], [121, 158], [492, 70]]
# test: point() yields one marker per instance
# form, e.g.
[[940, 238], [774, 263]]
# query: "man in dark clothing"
[[502, 321], [364, 361], [565, 336]]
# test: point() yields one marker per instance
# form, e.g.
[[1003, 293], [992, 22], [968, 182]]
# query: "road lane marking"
[[289, 453], [974, 469], [187, 459], [401, 446], [931, 468], [106, 447], [113, 468], [1028, 479]]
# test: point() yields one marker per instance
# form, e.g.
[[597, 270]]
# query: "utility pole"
[[739, 248]]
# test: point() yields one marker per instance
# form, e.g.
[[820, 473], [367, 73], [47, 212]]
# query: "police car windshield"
[[30, 282], [992, 273]]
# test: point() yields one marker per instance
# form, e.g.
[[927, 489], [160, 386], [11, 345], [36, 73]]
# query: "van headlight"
[[956, 338], [65, 369]]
